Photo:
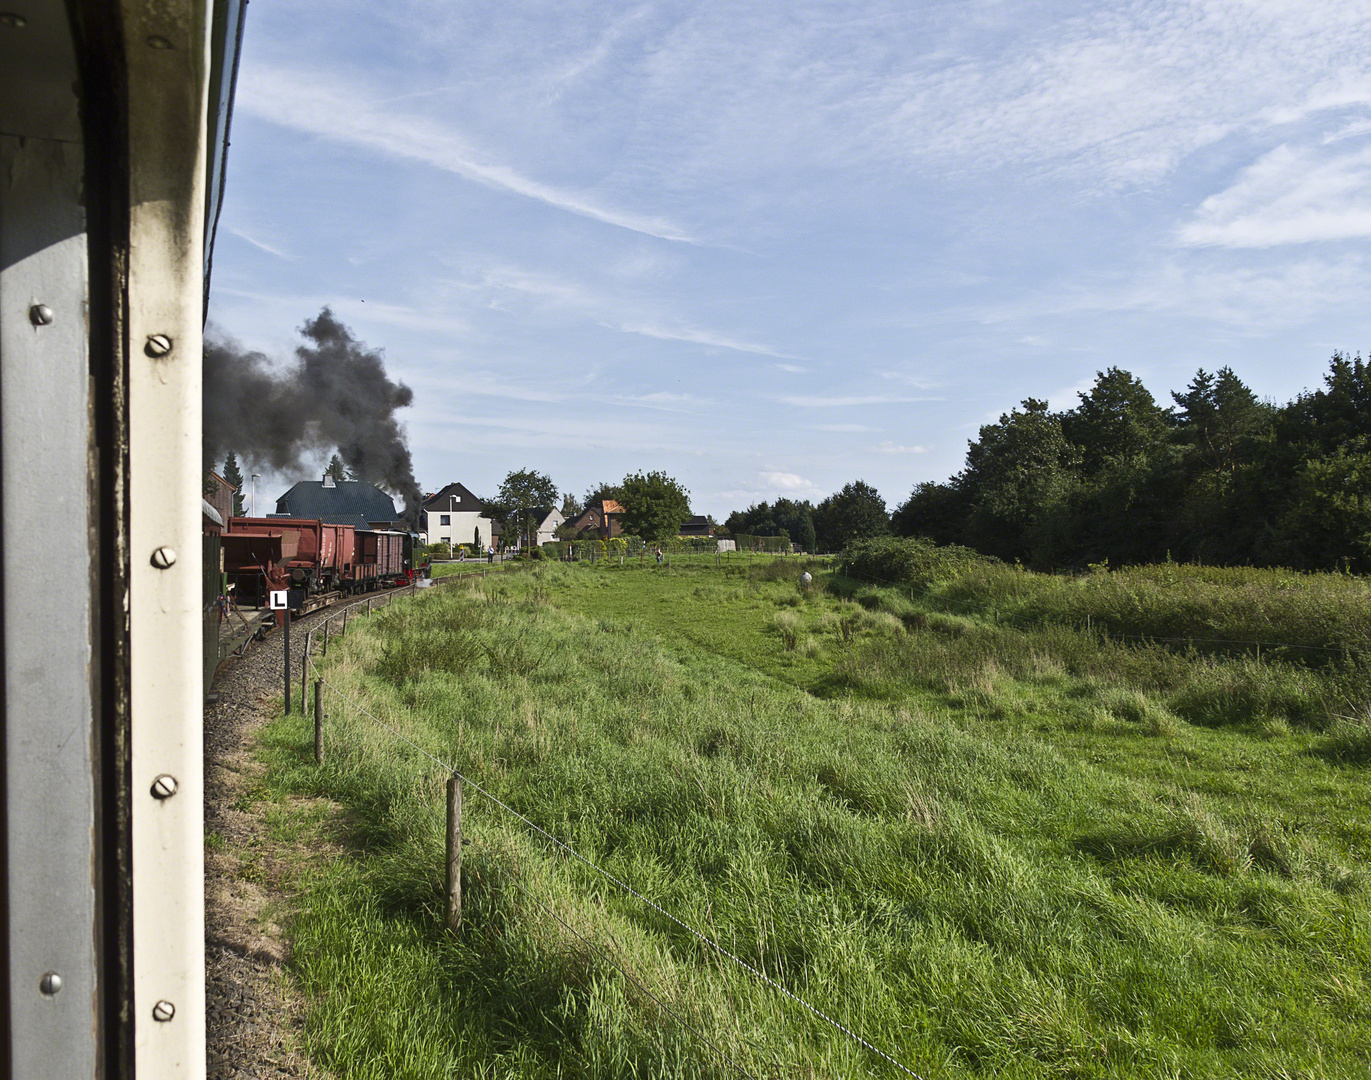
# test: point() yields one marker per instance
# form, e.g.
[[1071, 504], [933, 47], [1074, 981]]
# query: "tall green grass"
[[1315, 619], [989, 852]]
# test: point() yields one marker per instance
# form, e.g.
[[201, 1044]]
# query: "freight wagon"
[[380, 559], [262, 554]]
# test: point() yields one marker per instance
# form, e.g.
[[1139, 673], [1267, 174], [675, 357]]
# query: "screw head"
[[50, 983], [157, 345], [164, 787], [157, 41], [164, 558], [9, 18], [40, 315], [163, 1011]]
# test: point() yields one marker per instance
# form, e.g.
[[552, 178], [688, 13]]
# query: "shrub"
[[911, 561], [788, 624]]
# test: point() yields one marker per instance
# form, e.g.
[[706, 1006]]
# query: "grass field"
[[989, 847]]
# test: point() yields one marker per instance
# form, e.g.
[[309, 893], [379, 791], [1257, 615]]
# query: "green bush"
[[911, 561]]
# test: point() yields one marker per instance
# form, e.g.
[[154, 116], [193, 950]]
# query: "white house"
[[454, 516], [545, 522], [548, 520]]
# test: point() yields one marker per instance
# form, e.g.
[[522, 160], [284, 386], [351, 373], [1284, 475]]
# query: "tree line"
[[1217, 477]]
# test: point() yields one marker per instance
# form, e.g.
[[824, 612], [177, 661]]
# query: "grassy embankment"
[[993, 848]]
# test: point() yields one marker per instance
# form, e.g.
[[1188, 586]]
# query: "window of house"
[[444, 519]]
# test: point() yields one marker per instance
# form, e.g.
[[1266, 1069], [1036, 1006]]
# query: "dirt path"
[[254, 1015]]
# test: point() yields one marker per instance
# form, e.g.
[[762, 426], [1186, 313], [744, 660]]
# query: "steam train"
[[310, 558]]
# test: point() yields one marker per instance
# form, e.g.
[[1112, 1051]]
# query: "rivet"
[[9, 18], [40, 315], [50, 983], [156, 41], [163, 1011], [164, 558], [164, 787], [158, 345]]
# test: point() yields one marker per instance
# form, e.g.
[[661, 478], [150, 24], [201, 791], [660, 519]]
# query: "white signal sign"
[[278, 600]]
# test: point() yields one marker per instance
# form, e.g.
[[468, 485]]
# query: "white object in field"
[[806, 579]]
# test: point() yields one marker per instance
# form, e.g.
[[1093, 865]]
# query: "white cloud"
[[316, 104], [697, 337], [889, 447], [785, 481], [624, 314], [261, 244], [825, 402], [1122, 93], [663, 401], [1291, 195]]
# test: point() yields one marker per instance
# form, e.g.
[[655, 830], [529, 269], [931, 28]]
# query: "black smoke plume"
[[335, 396]]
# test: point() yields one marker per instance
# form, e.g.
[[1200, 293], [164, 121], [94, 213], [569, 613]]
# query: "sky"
[[769, 249]]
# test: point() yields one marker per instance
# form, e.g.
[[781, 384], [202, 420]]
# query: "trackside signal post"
[[280, 603]]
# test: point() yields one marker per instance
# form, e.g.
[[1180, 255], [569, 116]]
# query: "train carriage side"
[[381, 558]]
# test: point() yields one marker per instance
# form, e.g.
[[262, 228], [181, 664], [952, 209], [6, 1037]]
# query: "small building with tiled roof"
[[603, 519], [339, 502], [695, 526]]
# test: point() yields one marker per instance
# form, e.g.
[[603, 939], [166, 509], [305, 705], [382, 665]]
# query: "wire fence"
[[567, 853]]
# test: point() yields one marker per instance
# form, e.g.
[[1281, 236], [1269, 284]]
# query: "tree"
[[756, 520], [1017, 469], [571, 506], [1339, 415], [337, 469], [796, 521], [602, 491], [1329, 519], [522, 493], [1219, 418], [857, 512], [1117, 419], [234, 476], [654, 505], [935, 511]]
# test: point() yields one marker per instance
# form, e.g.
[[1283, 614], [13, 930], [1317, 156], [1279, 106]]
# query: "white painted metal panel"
[[167, 49]]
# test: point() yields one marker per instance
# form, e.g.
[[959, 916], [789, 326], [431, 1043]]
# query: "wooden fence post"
[[318, 721], [368, 605], [325, 649], [454, 852], [304, 674], [345, 619]]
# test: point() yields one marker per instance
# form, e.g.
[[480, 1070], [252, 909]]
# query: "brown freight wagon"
[[378, 558], [262, 554]]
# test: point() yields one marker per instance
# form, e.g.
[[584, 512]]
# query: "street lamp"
[[254, 493]]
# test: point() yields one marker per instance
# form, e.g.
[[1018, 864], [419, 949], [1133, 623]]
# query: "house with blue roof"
[[340, 502]]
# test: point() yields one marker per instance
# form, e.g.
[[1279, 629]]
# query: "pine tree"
[[336, 469], [234, 476]]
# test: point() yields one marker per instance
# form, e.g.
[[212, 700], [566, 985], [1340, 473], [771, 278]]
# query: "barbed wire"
[[566, 849], [630, 977]]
